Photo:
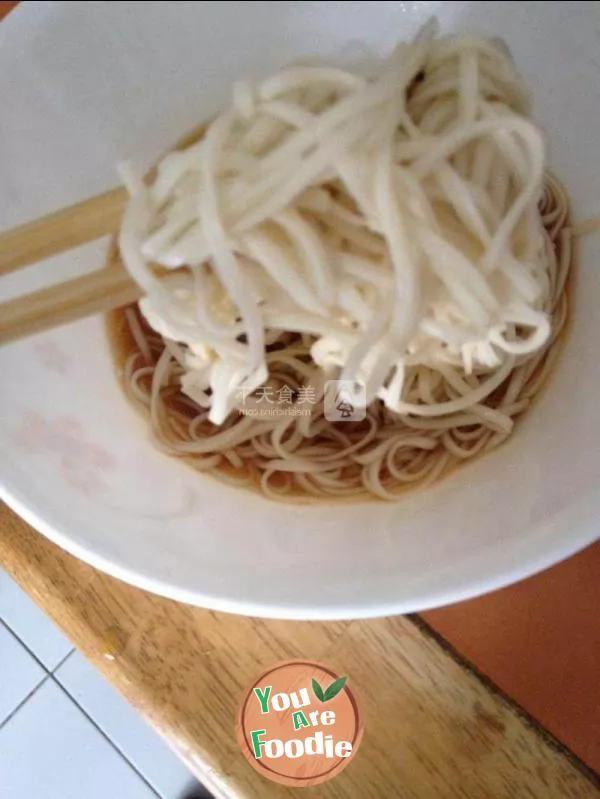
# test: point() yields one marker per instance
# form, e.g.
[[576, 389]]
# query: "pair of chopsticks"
[[98, 292]]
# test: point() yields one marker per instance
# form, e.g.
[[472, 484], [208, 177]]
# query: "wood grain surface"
[[432, 729]]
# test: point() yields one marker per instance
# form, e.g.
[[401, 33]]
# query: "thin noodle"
[[398, 231]]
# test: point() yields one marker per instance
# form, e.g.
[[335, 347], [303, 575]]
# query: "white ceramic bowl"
[[83, 86]]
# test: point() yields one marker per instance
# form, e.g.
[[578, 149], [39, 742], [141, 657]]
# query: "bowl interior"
[[81, 91]]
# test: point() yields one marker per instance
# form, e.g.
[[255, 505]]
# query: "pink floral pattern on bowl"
[[52, 357], [83, 463]]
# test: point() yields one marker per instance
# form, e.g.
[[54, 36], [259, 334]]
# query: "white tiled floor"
[[32, 625], [64, 732], [20, 674]]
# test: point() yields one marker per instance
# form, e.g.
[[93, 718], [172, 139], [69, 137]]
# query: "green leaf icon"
[[318, 690], [334, 689], [331, 692]]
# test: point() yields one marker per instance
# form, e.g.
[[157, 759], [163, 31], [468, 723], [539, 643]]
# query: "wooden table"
[[433, 729]]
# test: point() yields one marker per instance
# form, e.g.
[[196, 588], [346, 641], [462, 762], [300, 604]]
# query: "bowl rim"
[[345, 611]]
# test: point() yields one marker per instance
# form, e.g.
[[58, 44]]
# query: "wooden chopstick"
[[63, 230], [98, 292]]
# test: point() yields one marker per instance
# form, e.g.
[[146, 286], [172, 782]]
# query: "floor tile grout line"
[[63, 661], [16, 635], [26, 699], [51, 675], [106, 737]]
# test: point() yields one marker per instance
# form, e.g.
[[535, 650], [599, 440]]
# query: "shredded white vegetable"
[[394, 217]]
